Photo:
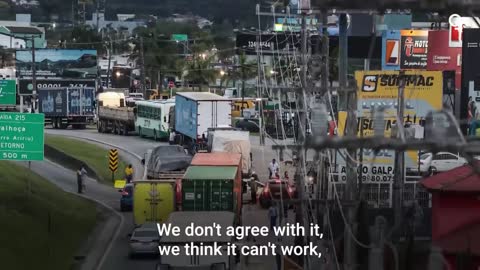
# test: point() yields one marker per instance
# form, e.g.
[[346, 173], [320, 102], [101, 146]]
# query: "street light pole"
[[109, 63], [34, 78], [143, 67]]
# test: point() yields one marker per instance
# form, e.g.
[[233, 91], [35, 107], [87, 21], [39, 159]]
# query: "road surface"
[[117, 258]]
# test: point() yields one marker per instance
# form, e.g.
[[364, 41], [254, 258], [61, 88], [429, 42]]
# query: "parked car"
[[440, 162], [126, 201], [144, 240], [276, 190]]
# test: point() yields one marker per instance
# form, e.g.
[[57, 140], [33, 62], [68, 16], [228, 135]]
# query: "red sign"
[[457, 24], [442, 57], [171, 84]]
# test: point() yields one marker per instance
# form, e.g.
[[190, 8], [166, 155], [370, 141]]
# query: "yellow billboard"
[[423, 93]]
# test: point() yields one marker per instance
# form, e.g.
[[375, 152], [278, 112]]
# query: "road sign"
[[8, 92], [171, 84], [179, 37], [113, 160], [21, 136]]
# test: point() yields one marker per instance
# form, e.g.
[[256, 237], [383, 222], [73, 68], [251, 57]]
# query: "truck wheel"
[[155, 138]]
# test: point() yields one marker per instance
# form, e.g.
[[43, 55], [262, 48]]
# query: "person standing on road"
[[273, 214], [273, 168], [253, 191], [80, 178], [171, 140], [129, 173]]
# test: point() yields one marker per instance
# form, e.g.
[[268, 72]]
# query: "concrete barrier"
[[68, 161]]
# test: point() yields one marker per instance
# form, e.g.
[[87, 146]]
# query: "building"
[[199, 21], [124, 22], [8, 34], [455, 216]]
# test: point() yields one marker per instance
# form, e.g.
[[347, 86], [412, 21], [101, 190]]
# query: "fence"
[[379, 195]]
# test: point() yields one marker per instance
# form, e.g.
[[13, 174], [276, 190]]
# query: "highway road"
[[117, 258]]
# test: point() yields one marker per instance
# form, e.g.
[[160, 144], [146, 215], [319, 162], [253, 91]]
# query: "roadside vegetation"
[[41, 229], [92, 155]]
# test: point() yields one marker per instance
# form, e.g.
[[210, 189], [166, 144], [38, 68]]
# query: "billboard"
[[414, 49], [391, 50], [456, 25], [443, 57], [470, 71], [58, 63], [268, 43], [423, 93], [25, 86]]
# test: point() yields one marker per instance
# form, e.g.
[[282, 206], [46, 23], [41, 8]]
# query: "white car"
[[440, 162], [144, 240]]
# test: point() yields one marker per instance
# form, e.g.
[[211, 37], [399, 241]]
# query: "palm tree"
[[200, 72], [244, 71]]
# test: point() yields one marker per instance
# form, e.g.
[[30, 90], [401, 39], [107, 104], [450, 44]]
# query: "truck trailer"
[[67, 106], [196, 112]]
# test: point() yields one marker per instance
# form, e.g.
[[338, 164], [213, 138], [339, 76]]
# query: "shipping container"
[[153, 201], [212, 188], [196, 112], [223, 159], [67, 106]]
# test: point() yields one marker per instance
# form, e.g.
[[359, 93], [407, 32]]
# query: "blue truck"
[[196, 112], [67, 106]]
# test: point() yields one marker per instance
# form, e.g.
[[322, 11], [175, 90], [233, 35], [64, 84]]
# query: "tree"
[[244, 71], [200, 71], [164, 56]]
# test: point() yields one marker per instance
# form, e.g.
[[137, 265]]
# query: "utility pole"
[[397, 193], [301, 109], [98, 15], [259, 91], [351, 167], [34, 78], [109, 63], [142, 58]]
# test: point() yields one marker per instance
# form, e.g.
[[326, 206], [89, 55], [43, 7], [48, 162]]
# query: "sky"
[[53, 55]]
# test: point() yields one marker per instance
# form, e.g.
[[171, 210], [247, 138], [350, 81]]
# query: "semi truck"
[[67, 106], [113, 114], [195, 113]]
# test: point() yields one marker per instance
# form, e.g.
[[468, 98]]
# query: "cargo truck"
[[113, 114], [153, 201], [195, 113], [197, 262], [231, 140], [67, 106], [213, 188]]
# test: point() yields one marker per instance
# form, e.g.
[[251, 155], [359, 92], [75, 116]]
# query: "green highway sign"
[[8, 92], [21, 136], [179, 37]]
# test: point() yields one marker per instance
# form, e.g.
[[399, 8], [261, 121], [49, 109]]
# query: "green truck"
[[212, 188]]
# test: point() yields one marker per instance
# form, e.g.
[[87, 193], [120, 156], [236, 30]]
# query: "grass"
[[24, 221], [94, 156]]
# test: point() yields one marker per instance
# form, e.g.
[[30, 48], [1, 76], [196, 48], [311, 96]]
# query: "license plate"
[[277, 193]]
